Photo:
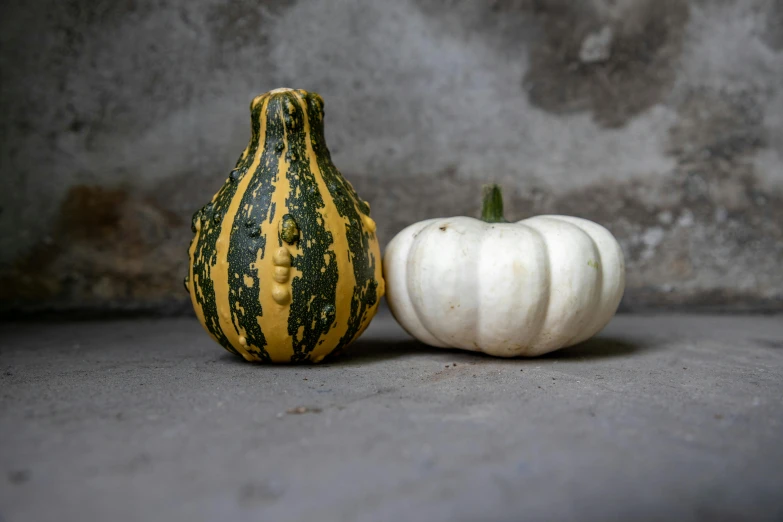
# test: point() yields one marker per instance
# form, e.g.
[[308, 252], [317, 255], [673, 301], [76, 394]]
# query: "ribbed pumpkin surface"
[[285, 265]]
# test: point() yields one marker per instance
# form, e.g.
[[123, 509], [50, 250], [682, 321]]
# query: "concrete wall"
[[662, 119]]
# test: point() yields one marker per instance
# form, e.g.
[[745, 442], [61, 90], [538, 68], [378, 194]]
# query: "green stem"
[[492, 208]]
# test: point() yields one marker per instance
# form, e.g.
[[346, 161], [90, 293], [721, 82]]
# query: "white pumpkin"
[[506, 289]]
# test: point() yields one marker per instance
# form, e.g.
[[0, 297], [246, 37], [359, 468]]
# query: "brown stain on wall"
[[107, 247], [91, 213], [122, 249]]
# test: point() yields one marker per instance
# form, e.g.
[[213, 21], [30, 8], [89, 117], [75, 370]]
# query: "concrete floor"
[[661, 417]]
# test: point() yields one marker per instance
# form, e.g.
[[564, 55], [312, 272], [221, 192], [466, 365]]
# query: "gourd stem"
[[492, 208]]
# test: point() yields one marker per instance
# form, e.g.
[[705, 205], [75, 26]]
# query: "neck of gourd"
[[287, 112], [492, 207]]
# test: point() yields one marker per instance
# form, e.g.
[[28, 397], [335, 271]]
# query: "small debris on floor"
[[19, 476], [303, 409]]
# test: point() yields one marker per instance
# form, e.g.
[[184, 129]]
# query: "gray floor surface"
[[659, 418]]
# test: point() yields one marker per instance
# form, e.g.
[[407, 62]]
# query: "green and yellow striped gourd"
[[285, 265]]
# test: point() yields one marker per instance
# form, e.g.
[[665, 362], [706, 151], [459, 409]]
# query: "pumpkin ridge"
[[578, 317], [597, 288], [596, 322], [534, 339], [400, 301], [414, 244]]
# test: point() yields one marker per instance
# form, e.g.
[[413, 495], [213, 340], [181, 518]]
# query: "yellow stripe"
[[274, 321], [336, 224], [220, 270]]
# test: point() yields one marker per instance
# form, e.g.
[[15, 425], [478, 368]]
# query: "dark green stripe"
[[210, 231], [346, 200], [246, 238], [316, 317]]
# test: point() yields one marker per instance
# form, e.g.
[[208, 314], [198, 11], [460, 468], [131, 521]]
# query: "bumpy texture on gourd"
[[285, 265]]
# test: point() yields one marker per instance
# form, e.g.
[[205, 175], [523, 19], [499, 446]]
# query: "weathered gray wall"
[[662, 119]]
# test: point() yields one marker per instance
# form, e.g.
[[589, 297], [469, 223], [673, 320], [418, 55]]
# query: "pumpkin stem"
[[492, 208]]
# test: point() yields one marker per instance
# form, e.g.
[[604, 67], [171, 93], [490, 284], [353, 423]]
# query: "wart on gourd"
[[289, 231]]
